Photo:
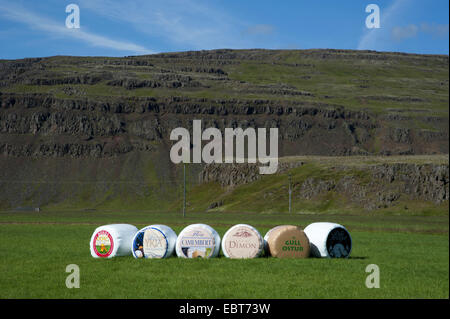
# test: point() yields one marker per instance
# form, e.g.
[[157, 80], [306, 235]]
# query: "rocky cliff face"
[[386, 184], [370, 187], [324, 102], [94, 127], [231, 175]]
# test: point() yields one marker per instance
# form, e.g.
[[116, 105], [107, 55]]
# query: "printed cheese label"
[[339, 243], [292, 244], [242, 242], [138, 245], [289, 242], [197, 242], [103, 244], [155, 243]]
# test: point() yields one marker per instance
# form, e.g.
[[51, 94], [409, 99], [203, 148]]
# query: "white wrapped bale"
[[154, 241], [242, 241], [198, 240], [112, 240], [287, 241], [329, 240]]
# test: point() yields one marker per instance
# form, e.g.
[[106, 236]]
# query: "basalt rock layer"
[[323, 102]]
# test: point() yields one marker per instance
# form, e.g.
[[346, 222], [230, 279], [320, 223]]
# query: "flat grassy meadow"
[[412, 253]]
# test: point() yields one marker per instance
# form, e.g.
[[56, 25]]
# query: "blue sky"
[[124, 27]]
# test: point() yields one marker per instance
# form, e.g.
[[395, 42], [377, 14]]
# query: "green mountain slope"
[[93, 132]]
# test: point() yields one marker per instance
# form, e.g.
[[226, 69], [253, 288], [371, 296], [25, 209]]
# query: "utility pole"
[[290, 193], [184, 190]]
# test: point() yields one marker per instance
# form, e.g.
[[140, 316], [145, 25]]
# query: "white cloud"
[[410, 31], [37, 22], [371, 39], [438, 30], [190, 24], [259, 29], [400, 33]]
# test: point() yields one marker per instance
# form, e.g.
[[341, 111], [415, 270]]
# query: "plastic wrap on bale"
[[329, 240], [242, 241], [198, 241], [113, 240], [154, 241]]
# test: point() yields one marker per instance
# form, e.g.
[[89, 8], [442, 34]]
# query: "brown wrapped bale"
[[287, 241]]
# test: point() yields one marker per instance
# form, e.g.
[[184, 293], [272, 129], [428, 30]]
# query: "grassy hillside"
[[93, 132], [334, 187], [327, 185], [362, 80]]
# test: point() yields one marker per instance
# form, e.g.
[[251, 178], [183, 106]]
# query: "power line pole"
[[184, 190], [290, 193]]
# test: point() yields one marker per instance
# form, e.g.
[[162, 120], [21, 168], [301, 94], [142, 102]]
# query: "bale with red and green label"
[[112, 240]]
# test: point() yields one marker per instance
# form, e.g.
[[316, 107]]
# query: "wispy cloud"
[[437, 30], [371, 39], [189, 24], [400, 33], [259, 29], [379, 39], [37, 22]]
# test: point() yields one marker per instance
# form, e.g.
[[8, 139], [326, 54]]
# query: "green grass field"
[[412, 253]]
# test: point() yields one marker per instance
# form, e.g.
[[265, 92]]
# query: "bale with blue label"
[[154, 241]]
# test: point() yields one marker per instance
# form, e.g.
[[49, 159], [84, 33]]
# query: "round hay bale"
[[329, 240], [266, 236], [198, 241], [154, 241], [112, 240], [287, 241], [242, 241]]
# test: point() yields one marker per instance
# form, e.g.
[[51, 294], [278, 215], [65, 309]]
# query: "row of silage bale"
[[240, 241]]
